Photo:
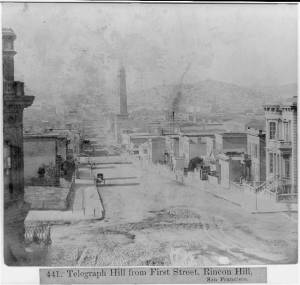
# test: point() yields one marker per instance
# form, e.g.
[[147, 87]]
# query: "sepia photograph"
[[143, 134]]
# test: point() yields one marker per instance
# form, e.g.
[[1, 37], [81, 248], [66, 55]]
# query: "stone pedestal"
[[121, 122], [15, 213]]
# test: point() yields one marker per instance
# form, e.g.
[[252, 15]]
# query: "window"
[[7, 163], [289, 131], [250, 149], [285, 131], [8, 45], [271, 163], [287, 168], [272, 130], [11, 190], [255, 150]]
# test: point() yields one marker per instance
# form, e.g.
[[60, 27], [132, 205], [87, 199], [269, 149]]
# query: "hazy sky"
[[77, 48]]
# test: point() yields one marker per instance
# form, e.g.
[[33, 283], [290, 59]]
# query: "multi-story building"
[[14, 102], [256, 156], [281, 144]]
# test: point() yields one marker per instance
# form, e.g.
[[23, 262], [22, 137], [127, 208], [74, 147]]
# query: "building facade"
[[172, 149], [225, 155], [210, 150], [281, 144], [231, 141], [230, 168], [133, 141], [14, 102], [191, 147], [73, 140], [256, 150], [44, 151], [154, 149]]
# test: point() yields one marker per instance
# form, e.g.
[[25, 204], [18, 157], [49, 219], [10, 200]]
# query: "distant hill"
[[278, 93], [220, 96]]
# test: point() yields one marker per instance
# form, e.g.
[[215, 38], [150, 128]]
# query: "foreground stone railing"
[[40, 233], [287, 197]]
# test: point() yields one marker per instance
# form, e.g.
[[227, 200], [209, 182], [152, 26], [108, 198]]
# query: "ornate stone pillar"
[[14, 102], [294, 169]]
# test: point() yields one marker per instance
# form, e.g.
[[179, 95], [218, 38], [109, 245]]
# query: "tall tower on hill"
[[123, 92], [121, 121]]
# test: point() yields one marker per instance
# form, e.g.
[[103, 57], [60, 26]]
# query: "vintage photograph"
[[138, 134]]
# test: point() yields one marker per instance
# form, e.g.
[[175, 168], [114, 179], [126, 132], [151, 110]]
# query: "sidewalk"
[[86, 205], [254, 203]]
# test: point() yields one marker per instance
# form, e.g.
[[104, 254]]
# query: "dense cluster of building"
[[257, 156], [261, 154]]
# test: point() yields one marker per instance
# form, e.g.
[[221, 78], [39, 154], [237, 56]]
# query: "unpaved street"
[[152, 220]]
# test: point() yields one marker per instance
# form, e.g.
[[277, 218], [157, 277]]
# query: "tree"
[[194, 162]]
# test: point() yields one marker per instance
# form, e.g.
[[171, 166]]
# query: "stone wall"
[[47, 198], [36, 154], [213, 180], [14, 216]]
